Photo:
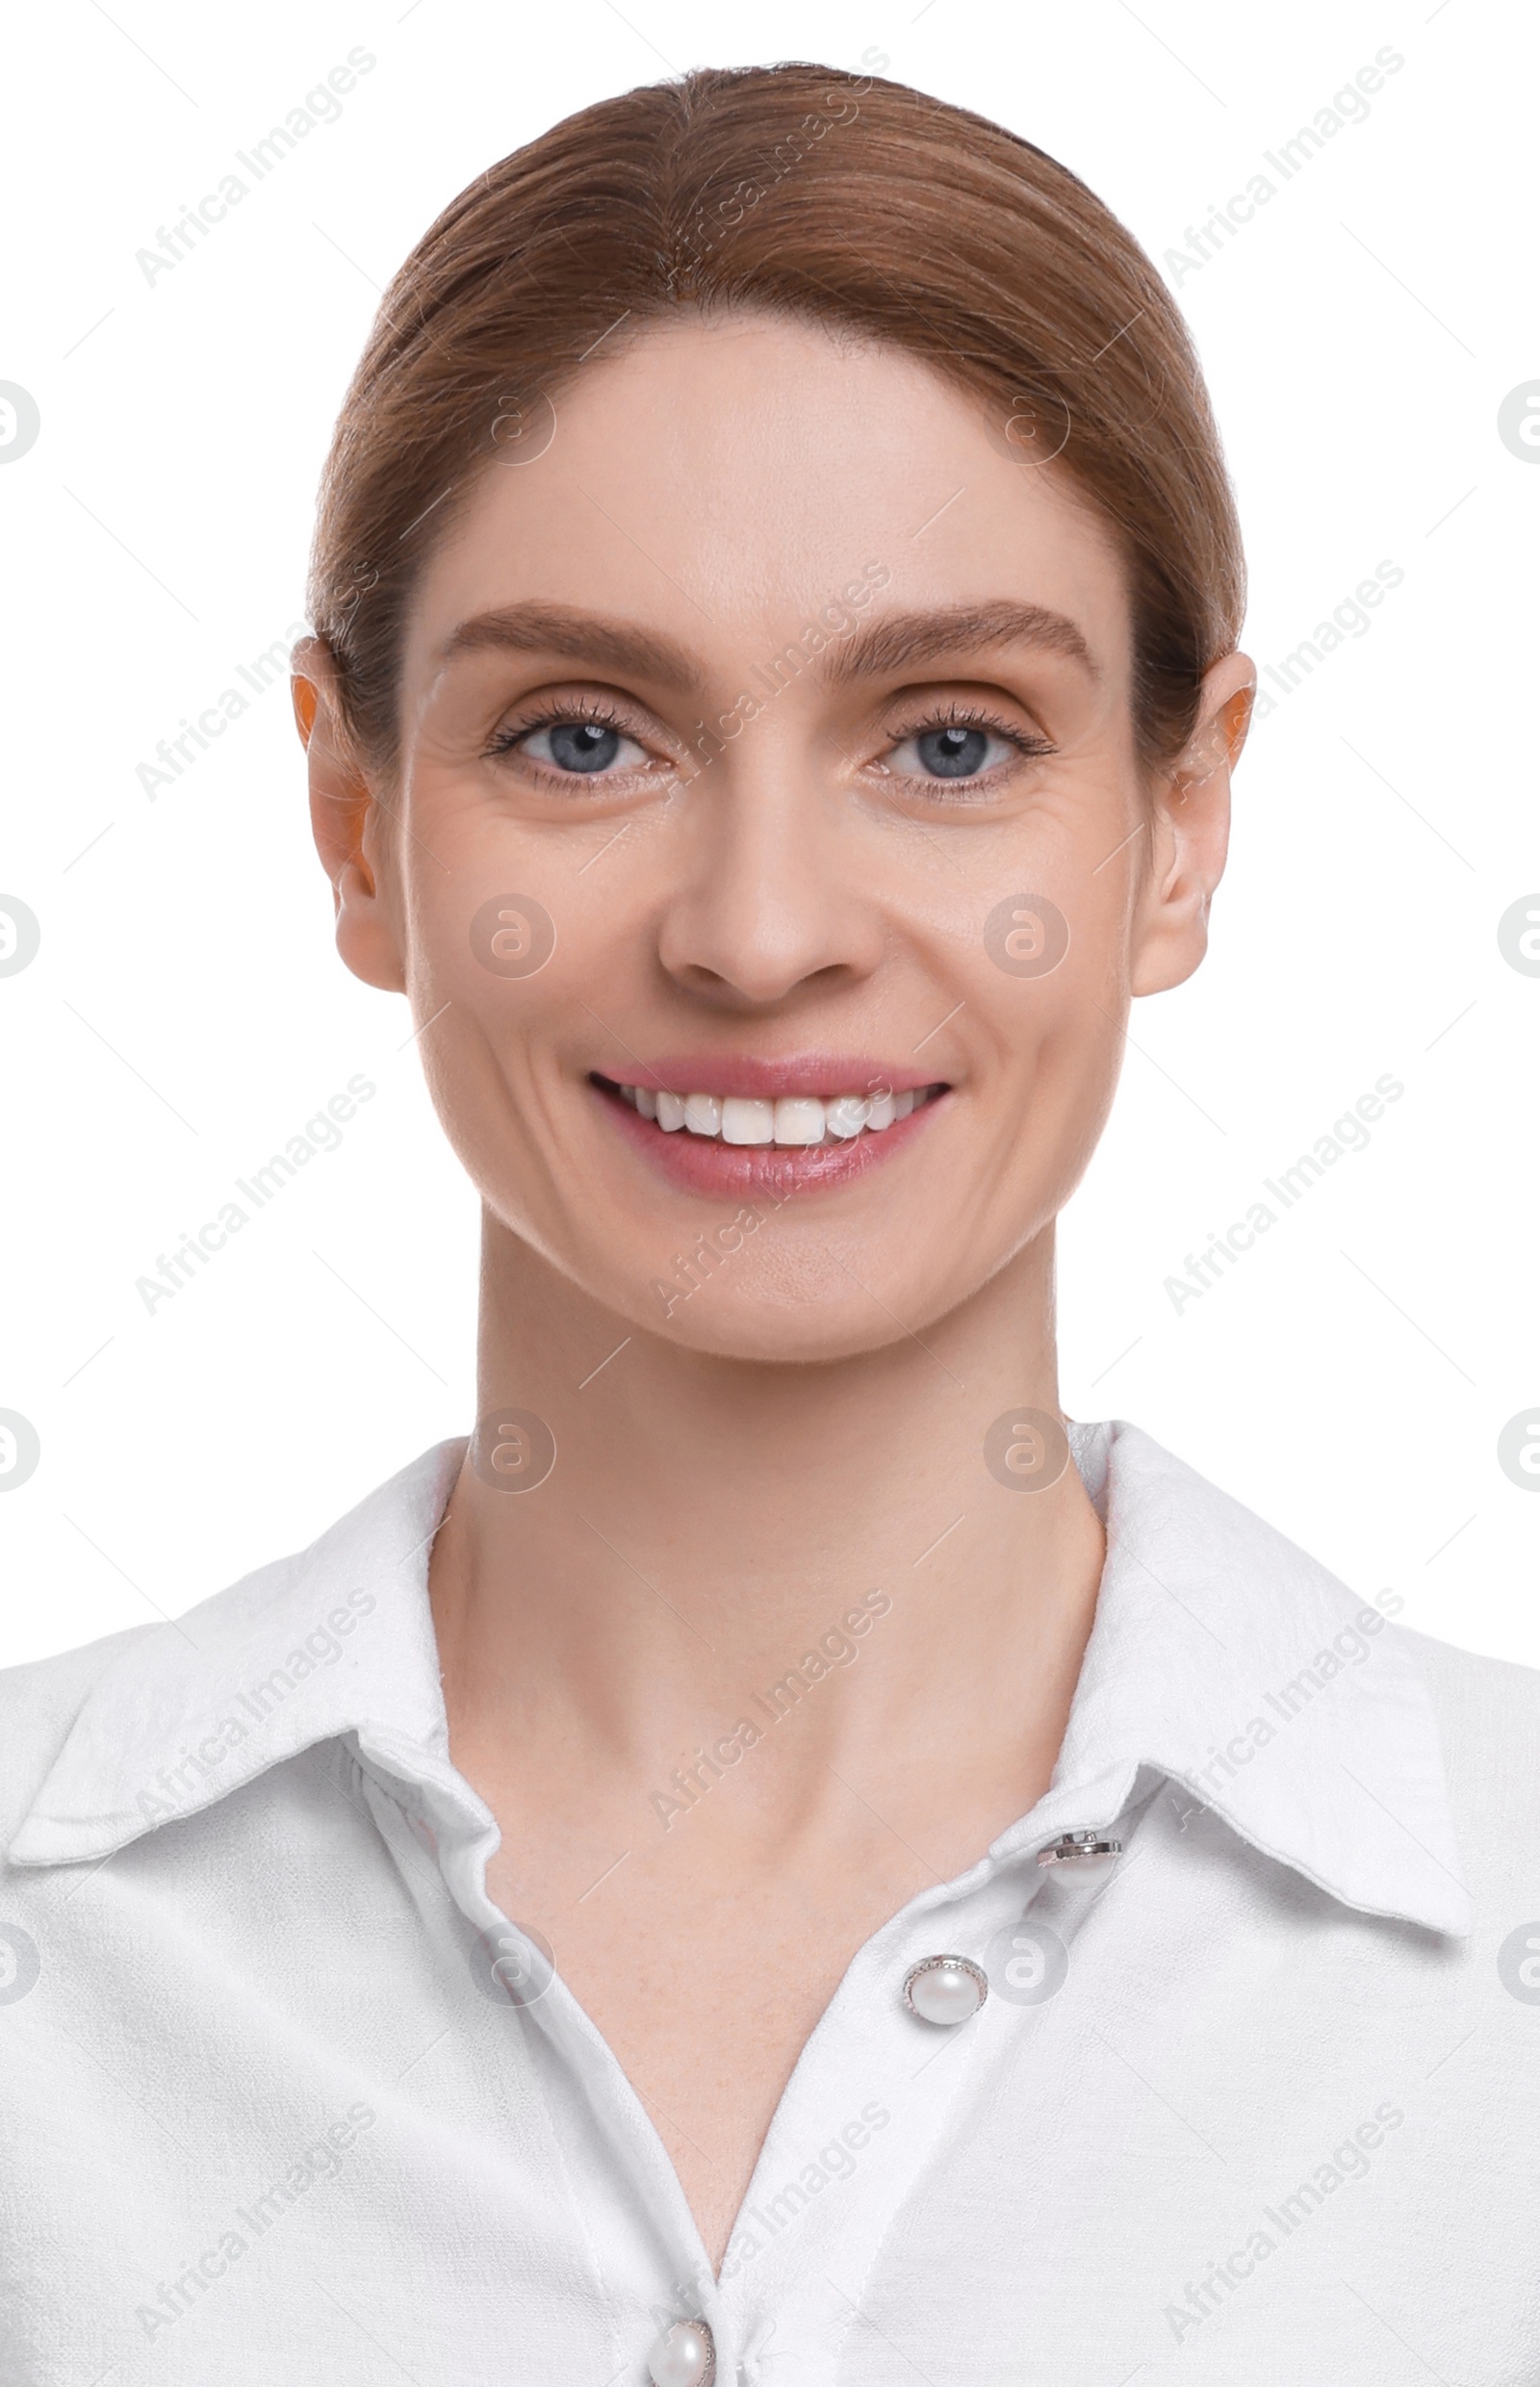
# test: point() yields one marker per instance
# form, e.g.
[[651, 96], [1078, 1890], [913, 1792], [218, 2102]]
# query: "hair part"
[[847, 201]]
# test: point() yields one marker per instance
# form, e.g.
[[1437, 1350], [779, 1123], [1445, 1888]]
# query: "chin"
[[771, 1335], [797, 1317]]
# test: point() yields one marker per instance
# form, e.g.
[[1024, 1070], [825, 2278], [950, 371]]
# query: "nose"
[[773, 897]]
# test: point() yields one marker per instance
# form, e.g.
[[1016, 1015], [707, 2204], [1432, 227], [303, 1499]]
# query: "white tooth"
[[847, 1115], [670, 1111], [903, 1104], [745, 1120], [703, 1114], [882, 1114], [627, 1093], [799, 1119], [646, 1100]]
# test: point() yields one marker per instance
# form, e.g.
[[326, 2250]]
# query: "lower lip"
[[704, 1165]]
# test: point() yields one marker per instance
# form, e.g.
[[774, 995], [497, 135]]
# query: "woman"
[[781, 1857]]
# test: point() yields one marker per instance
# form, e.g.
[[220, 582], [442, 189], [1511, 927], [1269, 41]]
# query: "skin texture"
[[809, 1425]]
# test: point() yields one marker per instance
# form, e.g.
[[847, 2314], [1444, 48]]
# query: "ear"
[[347, 822], [1190, 831]]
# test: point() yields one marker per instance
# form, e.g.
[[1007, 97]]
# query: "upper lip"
[[825, 1075]]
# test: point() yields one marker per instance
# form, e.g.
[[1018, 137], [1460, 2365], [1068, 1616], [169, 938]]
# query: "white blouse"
[[1256, 2099]]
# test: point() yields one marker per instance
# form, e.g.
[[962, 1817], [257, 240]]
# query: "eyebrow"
[[894, 642], [582, 637]]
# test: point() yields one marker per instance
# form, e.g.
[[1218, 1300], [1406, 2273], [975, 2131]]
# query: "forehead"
[[717, 475]]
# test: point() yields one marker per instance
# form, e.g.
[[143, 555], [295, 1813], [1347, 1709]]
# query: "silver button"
[[945, 1989], [1080, 1852], [684, 2357]]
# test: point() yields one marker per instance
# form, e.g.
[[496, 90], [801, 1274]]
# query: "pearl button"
[[1080, 1852], [945, 1989], [684, 2357]]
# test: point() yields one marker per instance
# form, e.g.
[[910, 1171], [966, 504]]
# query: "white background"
[[187, 1013]]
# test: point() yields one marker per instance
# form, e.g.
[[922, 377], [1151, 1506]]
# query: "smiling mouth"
[[789, 1121]]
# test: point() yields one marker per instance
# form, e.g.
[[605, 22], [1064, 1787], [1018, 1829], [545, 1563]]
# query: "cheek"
[[496, 968], [504, 925], [1046, 991], [1047, 976]]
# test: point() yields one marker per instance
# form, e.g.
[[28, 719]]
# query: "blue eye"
[[581, 745], [961, 749], [954, 753], [572, 745]]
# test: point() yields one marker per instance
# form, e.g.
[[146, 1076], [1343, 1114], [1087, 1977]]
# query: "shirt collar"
[[336, 1639], [1226, 1659], [1221, 1657]]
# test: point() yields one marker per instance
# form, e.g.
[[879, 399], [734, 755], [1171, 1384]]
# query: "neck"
[[710, 1523]]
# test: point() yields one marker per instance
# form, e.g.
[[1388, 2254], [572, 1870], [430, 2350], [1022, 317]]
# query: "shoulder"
[[100, 1744], [40, 1703], [1489, 1719], [1488, 1716]]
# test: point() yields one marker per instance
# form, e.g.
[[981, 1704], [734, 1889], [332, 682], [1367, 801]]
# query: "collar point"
[[70, 1840], [1453, 1914]]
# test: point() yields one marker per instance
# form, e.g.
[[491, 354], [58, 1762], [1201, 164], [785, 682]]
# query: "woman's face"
[[767, 761]]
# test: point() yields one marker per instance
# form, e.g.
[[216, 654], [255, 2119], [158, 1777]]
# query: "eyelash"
[[959, 715], [953, 715], [506, 740]]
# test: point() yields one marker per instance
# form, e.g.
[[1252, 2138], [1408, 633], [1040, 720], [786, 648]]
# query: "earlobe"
[[344, 821]]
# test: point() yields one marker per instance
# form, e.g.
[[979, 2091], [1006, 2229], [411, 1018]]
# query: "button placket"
[[1028, 1958], [867, 2046]]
